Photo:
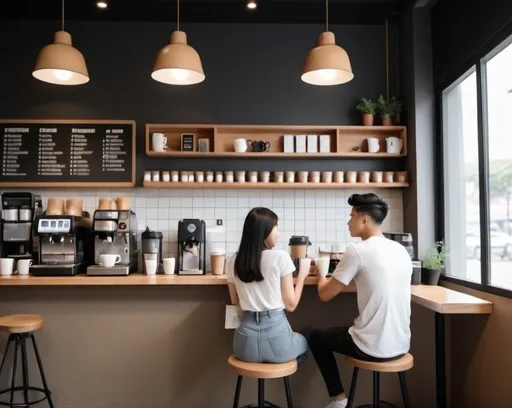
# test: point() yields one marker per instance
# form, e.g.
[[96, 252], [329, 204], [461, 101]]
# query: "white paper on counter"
[[233, 317]]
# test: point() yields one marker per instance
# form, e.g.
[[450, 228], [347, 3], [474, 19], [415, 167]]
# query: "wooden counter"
[[436, 298]]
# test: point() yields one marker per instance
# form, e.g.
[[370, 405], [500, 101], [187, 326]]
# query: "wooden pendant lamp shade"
[[178, 63], [59, 62], [328, 63]]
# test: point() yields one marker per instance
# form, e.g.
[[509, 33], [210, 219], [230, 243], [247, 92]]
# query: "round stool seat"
[[262, 370], [21, 323], [395, 366]]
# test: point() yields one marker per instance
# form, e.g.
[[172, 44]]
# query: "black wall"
[[465, 30], [252, 77]]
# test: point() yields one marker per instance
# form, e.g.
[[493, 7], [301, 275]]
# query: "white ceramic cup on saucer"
[[169, 265], [109, 260], [151, 266], [23, 266], [323, 265], [6, 266]]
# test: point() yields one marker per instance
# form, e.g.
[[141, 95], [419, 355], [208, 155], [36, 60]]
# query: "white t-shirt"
[[381, 269], [264, 295]]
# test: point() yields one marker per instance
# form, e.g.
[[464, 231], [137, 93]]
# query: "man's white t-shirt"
[[381, 269], [264, 295]]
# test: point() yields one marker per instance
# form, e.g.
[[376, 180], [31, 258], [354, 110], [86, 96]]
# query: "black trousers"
[[323, 344]]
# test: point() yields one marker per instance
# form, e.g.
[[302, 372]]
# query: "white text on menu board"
[[13, 151], [113, 151], [47, 156], [79, 165]]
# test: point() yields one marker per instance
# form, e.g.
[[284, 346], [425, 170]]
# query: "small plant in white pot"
[[433, 263], [368, 108]]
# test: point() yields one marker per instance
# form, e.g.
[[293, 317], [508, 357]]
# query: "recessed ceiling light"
[[102, 4], [251, 4]]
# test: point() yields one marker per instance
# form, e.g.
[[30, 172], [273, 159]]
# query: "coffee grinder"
[[191, 247], [152, 246], [19, 211]]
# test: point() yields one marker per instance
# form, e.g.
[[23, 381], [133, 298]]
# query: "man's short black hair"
[[370, 204]]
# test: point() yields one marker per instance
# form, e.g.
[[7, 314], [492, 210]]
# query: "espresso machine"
[[115, 233], [191, 247], [19, 212], [406, 240], [65, 245]]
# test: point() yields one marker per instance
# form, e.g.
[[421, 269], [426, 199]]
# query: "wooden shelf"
[[224, 185], [275, 155], [343, 140]]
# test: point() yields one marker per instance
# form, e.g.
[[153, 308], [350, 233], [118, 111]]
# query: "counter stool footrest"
[[267, 405], [23, 404], [383, 404]]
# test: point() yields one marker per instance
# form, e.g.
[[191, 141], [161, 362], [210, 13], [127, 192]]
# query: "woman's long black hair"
[[258, 225]]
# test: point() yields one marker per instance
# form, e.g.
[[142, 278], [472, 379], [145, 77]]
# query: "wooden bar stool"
[[20, 328], [399, 366], [263, 371]]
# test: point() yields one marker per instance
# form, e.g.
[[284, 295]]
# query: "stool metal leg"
[[403, 388], [14, 366], [237, 391], [288, 392], [376, 389], [24, 367], [45, 384], [353, 384], [7, 347], [261, 393]]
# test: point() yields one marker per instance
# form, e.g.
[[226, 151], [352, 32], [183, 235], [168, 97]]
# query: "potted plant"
[[397, 109], [433, 263], [368, 108], [385, 109]]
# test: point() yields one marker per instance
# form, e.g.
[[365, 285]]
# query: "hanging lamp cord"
[[178, 15], [62, 15], [326, 15]]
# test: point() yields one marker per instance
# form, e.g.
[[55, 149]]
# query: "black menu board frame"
[[77, 176]]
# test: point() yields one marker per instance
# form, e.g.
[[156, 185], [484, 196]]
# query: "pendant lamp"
[[59, 62], [327, 64], [178, 63]]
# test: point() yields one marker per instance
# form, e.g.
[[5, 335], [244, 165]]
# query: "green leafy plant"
[[397, 106], [367, 106], [385, 107], [436, 256]]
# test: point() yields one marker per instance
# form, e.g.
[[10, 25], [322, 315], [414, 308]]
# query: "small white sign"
[[233, 317]]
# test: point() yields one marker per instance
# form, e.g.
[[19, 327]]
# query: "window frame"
[[478, 63]]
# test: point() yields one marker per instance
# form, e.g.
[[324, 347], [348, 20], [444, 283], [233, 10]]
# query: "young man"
[[381, 270]]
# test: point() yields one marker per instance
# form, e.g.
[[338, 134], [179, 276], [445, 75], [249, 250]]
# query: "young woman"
[[260, 280]]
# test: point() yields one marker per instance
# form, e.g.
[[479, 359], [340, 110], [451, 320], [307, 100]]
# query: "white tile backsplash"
[[320, 214]]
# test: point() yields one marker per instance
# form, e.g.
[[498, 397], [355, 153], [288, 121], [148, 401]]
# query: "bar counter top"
[[436, 298]]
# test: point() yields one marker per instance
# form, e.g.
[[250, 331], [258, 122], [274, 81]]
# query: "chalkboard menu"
[[67, 153]]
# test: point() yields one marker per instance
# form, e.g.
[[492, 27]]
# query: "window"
[[477, 173], [461, 185], [498, 79]]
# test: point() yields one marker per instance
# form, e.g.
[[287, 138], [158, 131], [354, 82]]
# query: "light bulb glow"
[[102, 4], [251, 4], [179, 74], [327, 74], [62, 75]]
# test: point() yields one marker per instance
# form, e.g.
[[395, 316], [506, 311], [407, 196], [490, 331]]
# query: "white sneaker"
[[337, 404]]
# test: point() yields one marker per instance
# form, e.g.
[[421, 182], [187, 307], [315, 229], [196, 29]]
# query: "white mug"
[[23, 266], [240, 145], [373, 145], [151, 266], [169, 265], [6, 266], [109, 260], [159, 142]]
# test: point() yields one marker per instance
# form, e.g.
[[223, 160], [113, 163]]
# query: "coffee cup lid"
[[299, 240], [219, 251]]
